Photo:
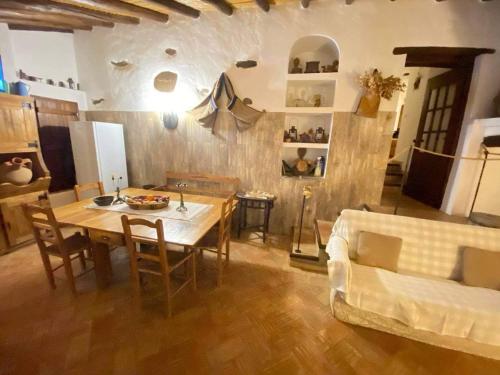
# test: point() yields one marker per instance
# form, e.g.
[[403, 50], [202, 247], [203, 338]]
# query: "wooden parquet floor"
[[266, 319]]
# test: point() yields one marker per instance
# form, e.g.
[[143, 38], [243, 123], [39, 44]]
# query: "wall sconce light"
[[170, 120]]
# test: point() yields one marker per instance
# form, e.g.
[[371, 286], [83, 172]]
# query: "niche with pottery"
[[309, 103]]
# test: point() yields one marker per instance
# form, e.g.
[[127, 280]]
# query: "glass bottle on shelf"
[[293, 134]]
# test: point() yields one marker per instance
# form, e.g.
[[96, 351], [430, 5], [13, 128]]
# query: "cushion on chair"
[[481, 268], [378, 250]]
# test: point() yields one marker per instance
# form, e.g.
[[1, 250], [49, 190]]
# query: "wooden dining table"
[[105, 227]]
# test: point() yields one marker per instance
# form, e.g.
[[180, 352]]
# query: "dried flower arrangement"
[[385, 87]]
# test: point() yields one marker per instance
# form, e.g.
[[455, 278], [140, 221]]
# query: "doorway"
[[443, 76]]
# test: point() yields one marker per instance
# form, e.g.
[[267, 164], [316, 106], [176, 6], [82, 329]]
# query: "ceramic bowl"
[[104, 200]]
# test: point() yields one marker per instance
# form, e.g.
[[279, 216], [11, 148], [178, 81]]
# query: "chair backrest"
[[225, 221], [205, 184], [133, 241], [45, 226], [79, 189]]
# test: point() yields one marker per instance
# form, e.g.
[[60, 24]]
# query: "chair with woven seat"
[[218, 239], [51, 242], [79, 189], [154, 258]]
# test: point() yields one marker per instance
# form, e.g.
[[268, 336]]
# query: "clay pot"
[[369, 104], [16, 171]]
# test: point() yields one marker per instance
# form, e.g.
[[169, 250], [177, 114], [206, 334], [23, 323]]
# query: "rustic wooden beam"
[[117, 6], [42, 9], [221, 5], [38, 28], [263, 4], [305, 3], [63, 5], [52, 17], [32, 22], [174, 6]]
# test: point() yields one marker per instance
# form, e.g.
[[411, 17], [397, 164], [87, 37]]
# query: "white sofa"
[[424, 300]]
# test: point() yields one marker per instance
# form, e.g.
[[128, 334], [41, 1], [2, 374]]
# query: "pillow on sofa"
[[379, 250], [481, 268]]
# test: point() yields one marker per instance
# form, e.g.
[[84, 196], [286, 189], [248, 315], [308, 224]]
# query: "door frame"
[[445, 57]]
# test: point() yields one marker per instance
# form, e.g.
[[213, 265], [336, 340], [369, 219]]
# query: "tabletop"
[[179, 232]]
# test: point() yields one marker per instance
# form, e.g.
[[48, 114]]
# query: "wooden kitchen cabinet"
[[19, 138]]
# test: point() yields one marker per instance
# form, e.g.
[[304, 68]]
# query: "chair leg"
[[219, 266], [168, 300], [193, 263], [81, 257], [69, 274], [48, 269], [228, 241], [186, 265]]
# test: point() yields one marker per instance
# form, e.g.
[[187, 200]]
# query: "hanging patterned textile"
[[206, 112]]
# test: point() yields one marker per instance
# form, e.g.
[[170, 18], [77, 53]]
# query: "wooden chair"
[[51, 242], [219, 238], [79, 189], [204, 184], [158, 261]]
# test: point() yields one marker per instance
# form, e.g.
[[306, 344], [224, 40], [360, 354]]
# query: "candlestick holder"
[[181, 207], [116, 182]]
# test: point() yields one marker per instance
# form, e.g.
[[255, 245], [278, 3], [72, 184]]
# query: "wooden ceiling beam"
[[221, 5], [39, 28], [39, 23], [52, 17], [67, 6], [264, 5], [174, 6], [117, 6], [305, 3], [42, 9]]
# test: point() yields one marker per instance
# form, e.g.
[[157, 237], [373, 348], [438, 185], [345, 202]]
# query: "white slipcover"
[[431, 302]]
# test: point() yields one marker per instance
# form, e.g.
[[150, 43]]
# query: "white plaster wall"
[[366, 32], [44, 55]]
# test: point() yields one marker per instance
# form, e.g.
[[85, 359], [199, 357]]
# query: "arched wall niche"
[[314, 48]]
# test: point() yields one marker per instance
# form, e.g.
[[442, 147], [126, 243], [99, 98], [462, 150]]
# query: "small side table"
[[245, 202]]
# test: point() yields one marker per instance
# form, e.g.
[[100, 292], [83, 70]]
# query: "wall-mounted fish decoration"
[[120, 64], [246, 64], [171, 52], [97, 101], [165, 81]]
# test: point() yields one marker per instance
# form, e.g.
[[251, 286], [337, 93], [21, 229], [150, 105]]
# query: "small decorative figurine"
[[71, 83], [293, 134], [316, 100], [50, 82], [296, 69], [331, 68], [182, 207], [320, 134], [312, 67]]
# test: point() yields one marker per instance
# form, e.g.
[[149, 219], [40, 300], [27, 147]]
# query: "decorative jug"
[[17, 171]]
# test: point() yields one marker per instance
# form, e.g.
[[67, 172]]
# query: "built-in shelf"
[[312, 77], [303, 177], [309, 110], [305, 145]]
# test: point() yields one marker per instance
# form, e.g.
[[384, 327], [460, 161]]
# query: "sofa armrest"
[[339, 265]]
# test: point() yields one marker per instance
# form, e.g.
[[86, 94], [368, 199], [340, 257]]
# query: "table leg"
[[240, 218], [102, 263], [267, 214]]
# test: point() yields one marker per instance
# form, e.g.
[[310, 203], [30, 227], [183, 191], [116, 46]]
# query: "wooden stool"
[[245, 202]]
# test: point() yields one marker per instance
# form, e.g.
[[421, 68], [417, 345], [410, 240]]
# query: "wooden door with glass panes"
[[439, 129]]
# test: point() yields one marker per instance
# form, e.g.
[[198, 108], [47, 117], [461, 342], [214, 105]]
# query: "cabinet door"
[[15, 225], [18, 127]]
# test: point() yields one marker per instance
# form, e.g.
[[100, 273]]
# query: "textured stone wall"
[[359, 148]]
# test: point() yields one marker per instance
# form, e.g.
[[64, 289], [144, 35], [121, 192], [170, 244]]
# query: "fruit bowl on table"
[[147, 202]]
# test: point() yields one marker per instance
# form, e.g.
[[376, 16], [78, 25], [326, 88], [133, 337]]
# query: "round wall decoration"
[[165, 81]]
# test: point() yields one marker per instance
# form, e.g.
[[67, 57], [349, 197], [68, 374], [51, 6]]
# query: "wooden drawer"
[[112, 239]]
